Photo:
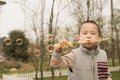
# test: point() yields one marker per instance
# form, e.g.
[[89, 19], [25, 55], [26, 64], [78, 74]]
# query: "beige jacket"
[[84, 64]]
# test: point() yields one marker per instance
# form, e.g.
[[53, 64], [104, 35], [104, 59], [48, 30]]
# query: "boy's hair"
[[91, 21]]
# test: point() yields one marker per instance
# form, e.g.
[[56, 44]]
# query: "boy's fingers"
[[62, 42]]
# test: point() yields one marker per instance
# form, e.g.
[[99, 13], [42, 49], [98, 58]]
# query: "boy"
[[88, 62]]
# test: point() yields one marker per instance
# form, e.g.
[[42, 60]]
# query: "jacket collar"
[[89, 52]]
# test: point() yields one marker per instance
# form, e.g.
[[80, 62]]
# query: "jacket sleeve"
[[109, 74], [64, 61]]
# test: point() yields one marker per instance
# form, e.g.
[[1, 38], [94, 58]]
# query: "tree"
[[117, 30], [53, 24], [112, 33], [38, 21], [16, 45]]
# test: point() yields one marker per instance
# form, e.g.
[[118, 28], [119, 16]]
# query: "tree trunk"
[[42, 46], [88, 9], [50, 32], [112, 35]]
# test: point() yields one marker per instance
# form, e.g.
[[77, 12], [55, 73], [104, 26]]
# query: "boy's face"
[[89, 34]]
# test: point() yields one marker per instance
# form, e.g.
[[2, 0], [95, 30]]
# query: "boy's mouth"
[[88, 41]]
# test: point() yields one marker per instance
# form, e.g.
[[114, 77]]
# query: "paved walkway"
[[115, 68]]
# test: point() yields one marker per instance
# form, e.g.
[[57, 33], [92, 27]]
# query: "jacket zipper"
[[93, 67]]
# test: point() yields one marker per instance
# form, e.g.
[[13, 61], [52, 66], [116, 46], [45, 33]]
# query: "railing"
[[18, 76], [30, 75]]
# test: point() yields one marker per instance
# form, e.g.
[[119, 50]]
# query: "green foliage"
[[14, 50], [116, 75]]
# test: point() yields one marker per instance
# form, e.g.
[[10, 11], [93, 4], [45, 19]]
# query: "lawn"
[[115, 75]]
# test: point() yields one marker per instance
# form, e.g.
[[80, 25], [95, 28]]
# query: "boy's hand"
[[58, 47], [61, 46], [63, 43]]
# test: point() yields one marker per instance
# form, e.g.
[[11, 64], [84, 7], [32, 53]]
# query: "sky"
[[12, 17]]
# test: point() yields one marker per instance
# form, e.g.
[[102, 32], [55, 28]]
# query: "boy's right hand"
[[58, 47], [63, 43]]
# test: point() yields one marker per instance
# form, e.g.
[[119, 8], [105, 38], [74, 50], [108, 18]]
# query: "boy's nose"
[[88, 35]]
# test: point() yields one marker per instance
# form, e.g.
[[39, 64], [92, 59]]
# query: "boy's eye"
[[93, 33], [84, 32]]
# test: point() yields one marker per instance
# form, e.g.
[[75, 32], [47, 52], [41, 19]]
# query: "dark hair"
[[91, 21]]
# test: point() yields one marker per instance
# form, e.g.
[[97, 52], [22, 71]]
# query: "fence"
[[30, 75], [18, 76]]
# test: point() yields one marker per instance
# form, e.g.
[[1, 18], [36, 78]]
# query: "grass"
[[115, 76], [56, 78]]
